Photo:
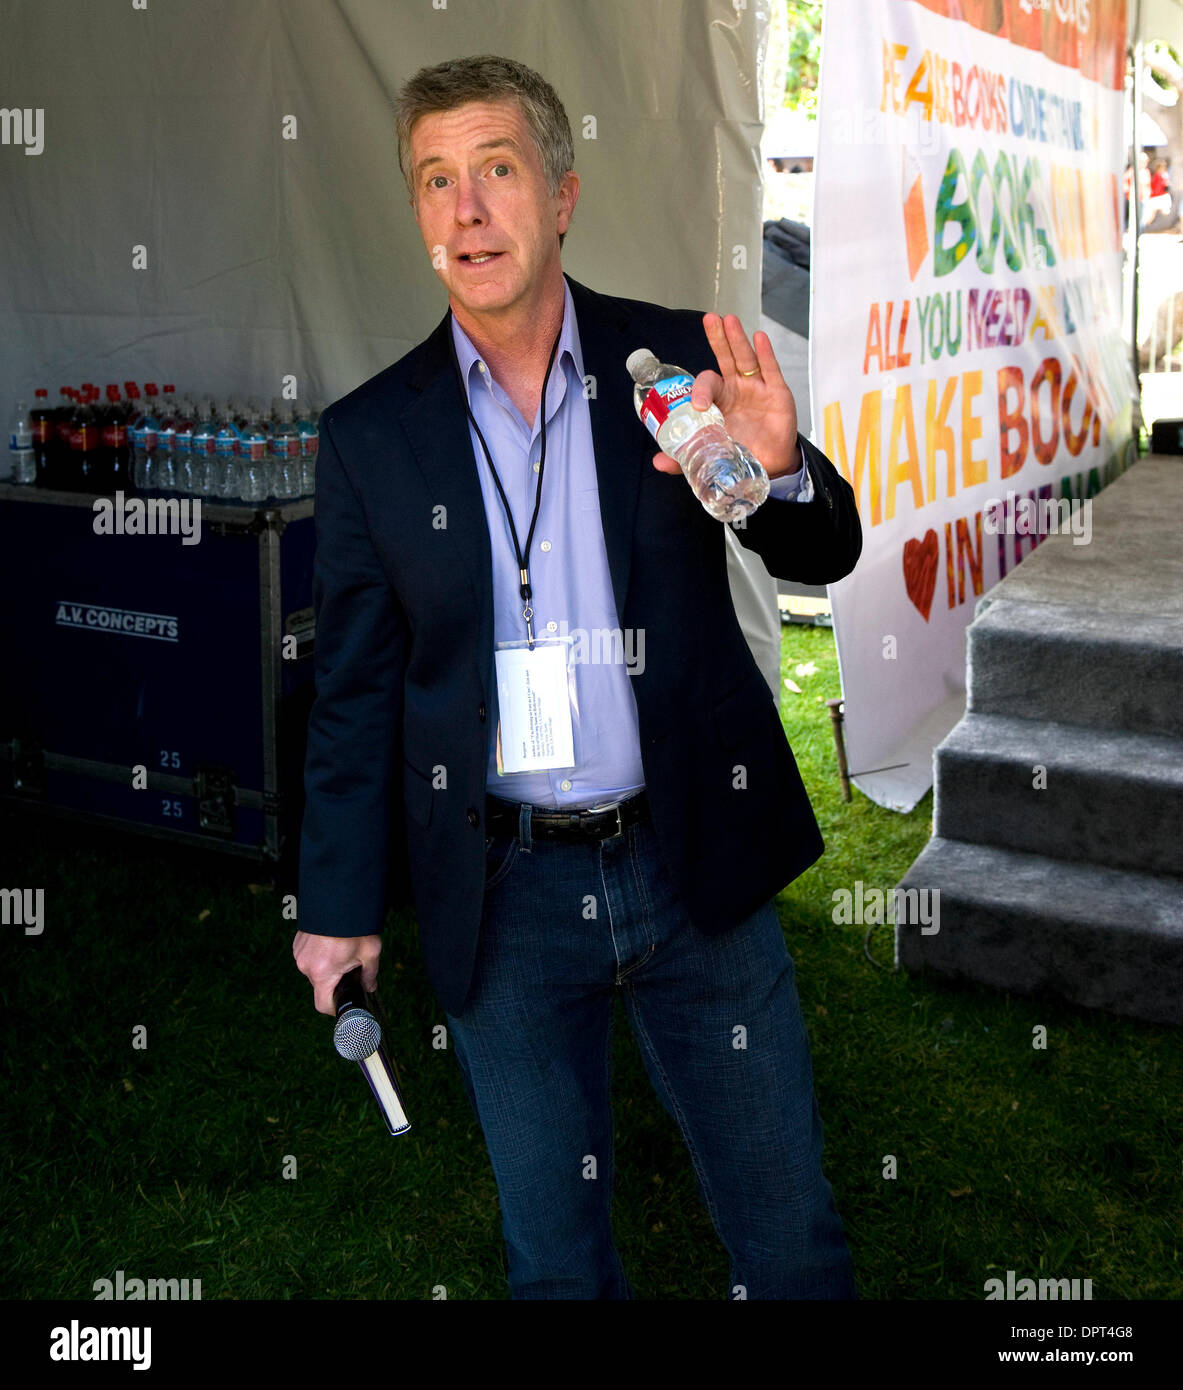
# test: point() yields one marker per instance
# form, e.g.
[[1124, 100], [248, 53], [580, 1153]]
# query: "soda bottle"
[[60, 455], [44, 437], [726, 478], [116, 443], [22, 466], [86, 448]]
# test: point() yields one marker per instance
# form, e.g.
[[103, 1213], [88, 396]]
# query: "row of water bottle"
[[224, 452], [235, 452]]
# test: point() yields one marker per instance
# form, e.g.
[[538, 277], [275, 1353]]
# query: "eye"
[[437, 181], [497, 167]]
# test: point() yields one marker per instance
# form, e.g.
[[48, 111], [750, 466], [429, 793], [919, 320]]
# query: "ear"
[[568, 196]]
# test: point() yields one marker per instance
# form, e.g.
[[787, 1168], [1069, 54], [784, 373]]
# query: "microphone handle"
[[378, 1068]]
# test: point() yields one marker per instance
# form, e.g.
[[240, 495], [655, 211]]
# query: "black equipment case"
[[155, 685]]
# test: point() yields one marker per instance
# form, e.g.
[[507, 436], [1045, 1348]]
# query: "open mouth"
[[480, 257]]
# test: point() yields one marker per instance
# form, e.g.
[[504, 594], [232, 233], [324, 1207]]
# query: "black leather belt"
[[577, 827]]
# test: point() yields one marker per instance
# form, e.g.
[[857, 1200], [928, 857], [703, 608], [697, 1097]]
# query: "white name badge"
[[534, 707]]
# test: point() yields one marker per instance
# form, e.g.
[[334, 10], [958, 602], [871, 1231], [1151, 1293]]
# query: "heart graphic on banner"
[[920, 570]]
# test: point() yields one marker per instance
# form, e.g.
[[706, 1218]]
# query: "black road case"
[[155, 685]]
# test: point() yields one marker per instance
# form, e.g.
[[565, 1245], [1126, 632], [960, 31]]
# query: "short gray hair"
[[487, 77]]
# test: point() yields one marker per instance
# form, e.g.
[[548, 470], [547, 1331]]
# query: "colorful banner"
[[969, 374]]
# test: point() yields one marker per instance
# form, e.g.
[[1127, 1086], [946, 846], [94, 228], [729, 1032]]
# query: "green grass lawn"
[[169, 1162]]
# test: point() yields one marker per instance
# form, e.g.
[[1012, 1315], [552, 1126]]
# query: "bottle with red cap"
[[116, 443], [60, 455], [44, 437], [86, 459]]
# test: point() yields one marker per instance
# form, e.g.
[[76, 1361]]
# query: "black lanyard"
[[523, 559]]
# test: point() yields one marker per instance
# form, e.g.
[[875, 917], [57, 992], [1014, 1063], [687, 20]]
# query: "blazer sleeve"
[[816, 542], [352, 836]]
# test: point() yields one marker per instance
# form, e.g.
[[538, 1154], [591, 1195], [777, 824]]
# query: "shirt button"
[[480, 366], [481, 712], [537, 466], [546, 545], [552, 627], [565, 784], [473, 818]]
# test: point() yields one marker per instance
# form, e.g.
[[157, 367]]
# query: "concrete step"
[[1100, 667], [1099, 937], [1111, 798]]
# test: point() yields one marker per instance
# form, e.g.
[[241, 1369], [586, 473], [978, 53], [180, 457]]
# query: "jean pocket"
[[500, 853]]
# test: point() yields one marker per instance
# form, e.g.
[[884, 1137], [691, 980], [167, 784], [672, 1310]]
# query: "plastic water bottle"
[[253, 472], [308, 426], [227, 456], [204, 451], [726, 478], [22, 464], [183, 445], [285, 454], [165, 473], [145, 433]]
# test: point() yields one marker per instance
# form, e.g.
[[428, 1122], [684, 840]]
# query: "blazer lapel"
[[436, 425], [617, 434]]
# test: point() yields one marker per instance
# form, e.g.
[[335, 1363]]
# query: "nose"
[[470, 203]]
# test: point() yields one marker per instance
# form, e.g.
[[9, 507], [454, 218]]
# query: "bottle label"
[[258, 450], [115, 436], [309, 444], [84, 438], [41, 429], [664, 397]]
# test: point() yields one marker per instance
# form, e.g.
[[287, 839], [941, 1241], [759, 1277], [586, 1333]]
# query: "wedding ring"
[[753, 372]]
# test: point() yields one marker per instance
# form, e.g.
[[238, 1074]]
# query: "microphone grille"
[[357, 1035]]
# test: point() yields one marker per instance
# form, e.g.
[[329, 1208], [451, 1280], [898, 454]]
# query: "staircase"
[[1058, 810]]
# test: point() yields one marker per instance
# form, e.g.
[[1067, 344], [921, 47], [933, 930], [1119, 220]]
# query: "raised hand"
[[752, 395]]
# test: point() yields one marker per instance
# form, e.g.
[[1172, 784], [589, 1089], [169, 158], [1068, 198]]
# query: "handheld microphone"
[[357, 1036]]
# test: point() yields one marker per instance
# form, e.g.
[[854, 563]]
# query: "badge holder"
[[537, 705]]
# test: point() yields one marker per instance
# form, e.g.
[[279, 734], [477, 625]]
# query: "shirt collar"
[[569, 345]]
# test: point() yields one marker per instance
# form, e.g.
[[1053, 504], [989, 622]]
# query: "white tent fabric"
[[169, 227]]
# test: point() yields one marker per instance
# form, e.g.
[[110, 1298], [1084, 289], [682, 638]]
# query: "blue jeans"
[[567, 926]]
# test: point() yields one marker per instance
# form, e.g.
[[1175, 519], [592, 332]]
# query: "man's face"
[[479, 188]]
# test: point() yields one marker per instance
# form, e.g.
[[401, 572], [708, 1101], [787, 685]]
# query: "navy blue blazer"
[[404, 651]]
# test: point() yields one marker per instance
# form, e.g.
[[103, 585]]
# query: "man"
[[468, 528]]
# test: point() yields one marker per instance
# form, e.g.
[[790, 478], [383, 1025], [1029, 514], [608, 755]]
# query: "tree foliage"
[[805, 23]]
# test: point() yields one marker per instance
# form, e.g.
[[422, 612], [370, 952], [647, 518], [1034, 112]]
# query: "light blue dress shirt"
[[569, 574]]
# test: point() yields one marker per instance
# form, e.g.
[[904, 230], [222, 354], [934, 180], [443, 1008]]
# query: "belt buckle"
[[612, 806]]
